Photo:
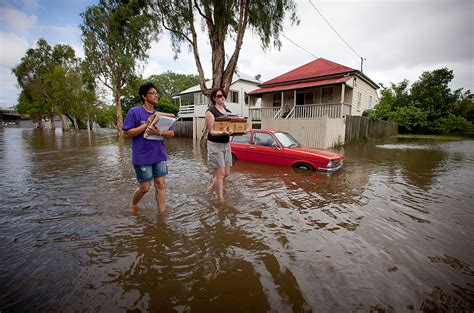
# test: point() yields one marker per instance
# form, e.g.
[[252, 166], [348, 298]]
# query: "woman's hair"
[[143, 90], [213, 93]]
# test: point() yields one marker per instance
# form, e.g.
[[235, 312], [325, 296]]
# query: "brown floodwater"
[[391, 232]]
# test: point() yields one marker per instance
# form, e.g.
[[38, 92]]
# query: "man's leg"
[[142, 189], [160, 193]]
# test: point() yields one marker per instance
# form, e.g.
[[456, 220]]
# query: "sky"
[[398, 39]]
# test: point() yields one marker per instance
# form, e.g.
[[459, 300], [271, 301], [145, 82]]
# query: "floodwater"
[[391, 232]]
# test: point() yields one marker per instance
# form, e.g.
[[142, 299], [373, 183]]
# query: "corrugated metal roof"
[[317, 68], [301, 85]]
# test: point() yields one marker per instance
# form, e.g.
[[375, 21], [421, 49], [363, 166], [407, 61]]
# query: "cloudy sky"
[[399, 39]]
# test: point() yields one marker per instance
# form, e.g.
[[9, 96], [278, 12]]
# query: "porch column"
[[294, 98], [343, 90]]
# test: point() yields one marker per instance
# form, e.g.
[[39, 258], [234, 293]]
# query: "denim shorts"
[[147, 172]]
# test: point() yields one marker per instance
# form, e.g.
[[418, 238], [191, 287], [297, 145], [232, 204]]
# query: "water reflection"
[[392, 231]]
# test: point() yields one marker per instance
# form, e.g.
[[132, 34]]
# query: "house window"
[[328, 95], [370, 102], [233, 96], [246, 98], [359, 99], [276, 100]]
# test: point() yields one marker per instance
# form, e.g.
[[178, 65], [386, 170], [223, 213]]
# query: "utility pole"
[[361, 64]]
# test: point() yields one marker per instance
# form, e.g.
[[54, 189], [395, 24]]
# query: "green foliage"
[[410, 119], [432, 94], [452, 124], [52, 83], [170, 84], [429, 106], [106, 116], [224, 21], [116, 35], [465, 107], [165, 105]]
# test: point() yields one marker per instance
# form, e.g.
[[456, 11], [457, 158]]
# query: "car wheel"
[[303, 167], [234, 158]]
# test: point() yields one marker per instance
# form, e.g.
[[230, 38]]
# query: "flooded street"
[[391, 232]]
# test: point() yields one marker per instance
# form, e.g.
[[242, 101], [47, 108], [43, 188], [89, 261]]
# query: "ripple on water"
[[391, 231]]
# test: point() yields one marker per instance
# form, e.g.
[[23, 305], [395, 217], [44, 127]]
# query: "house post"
[[294, 101], [343, 90]]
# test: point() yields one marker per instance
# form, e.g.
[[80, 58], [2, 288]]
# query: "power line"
[[334, 29], [298, 45]]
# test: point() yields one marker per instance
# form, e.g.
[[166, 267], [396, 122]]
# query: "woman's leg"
[[219, 182]]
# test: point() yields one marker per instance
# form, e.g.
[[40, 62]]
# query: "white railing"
[[186, 109], [332, 110], [315, 111], [263, 113]]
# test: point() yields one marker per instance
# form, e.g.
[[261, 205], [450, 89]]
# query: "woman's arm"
[[210, 126]]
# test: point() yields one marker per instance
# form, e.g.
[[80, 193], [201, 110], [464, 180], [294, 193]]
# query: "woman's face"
[[219, 98]]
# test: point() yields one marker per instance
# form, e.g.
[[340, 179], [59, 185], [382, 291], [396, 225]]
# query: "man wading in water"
[[148, 156]]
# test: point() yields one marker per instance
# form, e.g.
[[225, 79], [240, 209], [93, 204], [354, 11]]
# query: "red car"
[[281, 149]]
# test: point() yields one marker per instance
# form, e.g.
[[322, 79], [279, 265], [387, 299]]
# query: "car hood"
[[318, 153]]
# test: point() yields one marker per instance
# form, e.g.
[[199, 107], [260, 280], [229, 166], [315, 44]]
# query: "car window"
[[245, 138], [263, 139], [287, 140]]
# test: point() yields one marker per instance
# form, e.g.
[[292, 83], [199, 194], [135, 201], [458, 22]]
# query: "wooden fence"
[[361, 127], [183, 129]]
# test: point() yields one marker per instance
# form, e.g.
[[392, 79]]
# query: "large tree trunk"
[[119, 113], [64, 124], [74, 123]]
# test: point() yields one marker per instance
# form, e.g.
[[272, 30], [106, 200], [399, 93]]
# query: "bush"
[[165, 105], [453, 124], [410, 119]]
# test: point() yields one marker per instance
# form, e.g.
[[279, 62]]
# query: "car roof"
[[266, 130]]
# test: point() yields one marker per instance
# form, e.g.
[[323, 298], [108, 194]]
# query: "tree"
[[170, 84], [44, 76], [30, 75], [432, 94], [224, 19], [116, 35]]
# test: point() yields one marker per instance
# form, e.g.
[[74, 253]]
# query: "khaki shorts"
[[218, 154]]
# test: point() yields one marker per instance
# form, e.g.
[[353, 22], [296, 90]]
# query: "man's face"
[[152, 96]]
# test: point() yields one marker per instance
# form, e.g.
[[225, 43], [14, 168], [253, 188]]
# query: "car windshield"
[[287, 140]]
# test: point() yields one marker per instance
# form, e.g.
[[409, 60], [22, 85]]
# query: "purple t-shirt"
[[144, 151]]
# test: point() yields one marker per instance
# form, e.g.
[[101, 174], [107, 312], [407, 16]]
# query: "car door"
[[240, 146], [263, 150]]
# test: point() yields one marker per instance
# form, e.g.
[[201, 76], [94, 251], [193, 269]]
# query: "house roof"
[[300, 85], [317, 68], [236, 77]]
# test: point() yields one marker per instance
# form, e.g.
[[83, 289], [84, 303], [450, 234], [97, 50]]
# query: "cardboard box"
[[237, 128], [237, 125]]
